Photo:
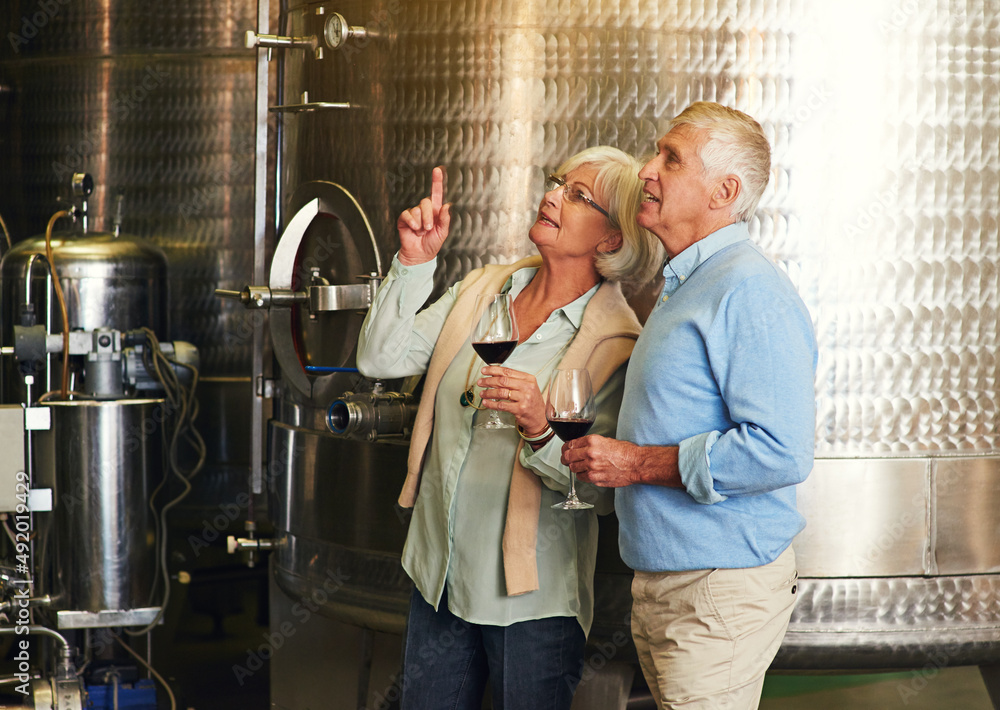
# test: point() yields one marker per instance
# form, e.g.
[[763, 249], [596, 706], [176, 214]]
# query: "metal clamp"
[[251, 545], [235, 544]]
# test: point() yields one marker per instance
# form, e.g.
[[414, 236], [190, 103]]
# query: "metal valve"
[[83, 186], [251, 545], [371, 415]]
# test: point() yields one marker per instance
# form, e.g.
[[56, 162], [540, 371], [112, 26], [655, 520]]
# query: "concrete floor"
[[204, 658]]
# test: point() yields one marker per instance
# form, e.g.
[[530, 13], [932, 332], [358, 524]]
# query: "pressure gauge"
[[336, 31]]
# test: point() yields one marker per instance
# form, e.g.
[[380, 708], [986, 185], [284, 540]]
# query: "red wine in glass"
[[569, 428], [495, 352], [494, 337], [570, 411]]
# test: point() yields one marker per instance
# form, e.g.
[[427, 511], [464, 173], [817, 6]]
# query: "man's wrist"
[[656, 465]]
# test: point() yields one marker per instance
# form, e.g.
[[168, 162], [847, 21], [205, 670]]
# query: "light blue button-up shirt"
[[724, 369], [456, 530]]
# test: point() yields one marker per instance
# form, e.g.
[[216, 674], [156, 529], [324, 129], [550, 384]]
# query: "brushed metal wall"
[[884, 120]]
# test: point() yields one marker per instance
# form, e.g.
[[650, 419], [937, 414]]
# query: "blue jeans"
[[530, 665]]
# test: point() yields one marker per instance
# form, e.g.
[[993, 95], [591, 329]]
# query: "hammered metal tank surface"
[[884, 119], [885, 126]]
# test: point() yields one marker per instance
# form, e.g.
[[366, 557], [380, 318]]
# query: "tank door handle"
[[252, 40]]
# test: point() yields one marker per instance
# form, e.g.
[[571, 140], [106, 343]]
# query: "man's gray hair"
[[735, 145]]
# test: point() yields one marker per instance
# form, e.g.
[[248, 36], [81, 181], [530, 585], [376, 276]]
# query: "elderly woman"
[[504, 583]]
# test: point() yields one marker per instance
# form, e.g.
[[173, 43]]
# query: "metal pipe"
[[27, 274], [12, 680], [6, 233], [40, 631], [260, 255]]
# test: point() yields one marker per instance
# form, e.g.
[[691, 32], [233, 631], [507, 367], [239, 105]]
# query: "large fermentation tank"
[[882, 207]]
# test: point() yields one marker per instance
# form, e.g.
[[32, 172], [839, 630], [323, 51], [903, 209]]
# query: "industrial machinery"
[[98, 416], [882, 208]]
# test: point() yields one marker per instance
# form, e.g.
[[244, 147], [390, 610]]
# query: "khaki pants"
[[706, 637]]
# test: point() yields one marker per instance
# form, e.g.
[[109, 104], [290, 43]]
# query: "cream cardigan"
[[604, 342]]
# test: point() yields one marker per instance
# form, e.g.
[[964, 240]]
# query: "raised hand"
[[423, 229]]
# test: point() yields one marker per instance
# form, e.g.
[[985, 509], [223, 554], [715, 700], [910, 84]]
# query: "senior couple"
[[705, 424]]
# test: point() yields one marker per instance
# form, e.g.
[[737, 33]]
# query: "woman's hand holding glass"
[[423, 229], [516, 392], [494, 337]]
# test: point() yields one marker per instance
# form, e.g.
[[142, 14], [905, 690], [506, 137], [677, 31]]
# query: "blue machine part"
[[140, 695]]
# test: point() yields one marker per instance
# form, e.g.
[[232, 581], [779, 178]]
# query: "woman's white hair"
[[735, 144], [618, 186]]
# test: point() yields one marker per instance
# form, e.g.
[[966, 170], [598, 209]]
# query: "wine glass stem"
[[572, 485]]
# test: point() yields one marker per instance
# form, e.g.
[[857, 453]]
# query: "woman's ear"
[[611, 243]]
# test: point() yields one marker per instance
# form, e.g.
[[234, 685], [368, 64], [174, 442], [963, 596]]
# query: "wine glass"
[[570, 410], [494, 337]]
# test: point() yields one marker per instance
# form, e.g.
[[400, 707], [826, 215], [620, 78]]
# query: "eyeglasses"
[[574, 194]]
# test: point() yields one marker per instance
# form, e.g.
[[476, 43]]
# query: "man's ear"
[[611, 243], [726, 192]]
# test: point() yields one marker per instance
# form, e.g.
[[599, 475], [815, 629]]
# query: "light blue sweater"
[[724, 368]]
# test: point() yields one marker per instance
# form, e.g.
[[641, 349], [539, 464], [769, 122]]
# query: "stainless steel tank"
[[101, 461], [882, 207], [108, 282]]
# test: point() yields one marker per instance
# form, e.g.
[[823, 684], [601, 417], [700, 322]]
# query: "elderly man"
[[716, 426]]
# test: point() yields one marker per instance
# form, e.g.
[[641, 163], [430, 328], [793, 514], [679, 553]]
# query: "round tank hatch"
[[337, 247]]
